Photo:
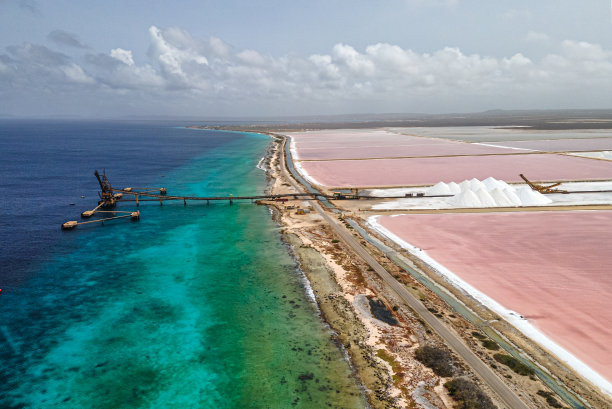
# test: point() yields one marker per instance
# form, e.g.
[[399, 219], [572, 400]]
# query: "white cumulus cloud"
[[125, 56], [381, 77]]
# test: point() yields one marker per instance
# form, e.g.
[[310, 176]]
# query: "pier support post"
[[184, 202], [137, 205], [161, 202], [231, 201], [207, 202]]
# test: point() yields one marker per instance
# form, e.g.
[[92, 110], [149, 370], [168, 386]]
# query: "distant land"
[[553, 119], [535, 119]]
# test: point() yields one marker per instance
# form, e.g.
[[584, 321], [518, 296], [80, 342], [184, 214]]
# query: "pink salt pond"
[[429, 171], [380, 144], [553, 268]]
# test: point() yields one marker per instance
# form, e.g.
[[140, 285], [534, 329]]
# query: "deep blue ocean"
[[191, 307]]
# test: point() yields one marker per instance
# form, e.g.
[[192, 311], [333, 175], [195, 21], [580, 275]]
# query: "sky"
[[274, 58]]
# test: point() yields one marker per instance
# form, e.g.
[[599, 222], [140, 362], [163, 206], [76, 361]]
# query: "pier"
[[110, 196]]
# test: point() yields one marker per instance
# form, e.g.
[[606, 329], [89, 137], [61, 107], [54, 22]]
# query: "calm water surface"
[[192, 307]]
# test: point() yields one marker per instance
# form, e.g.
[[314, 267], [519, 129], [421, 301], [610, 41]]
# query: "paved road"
[[451, 339]]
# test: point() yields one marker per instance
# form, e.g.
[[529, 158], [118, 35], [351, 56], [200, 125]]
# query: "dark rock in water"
[[306, 377], [380, 312]]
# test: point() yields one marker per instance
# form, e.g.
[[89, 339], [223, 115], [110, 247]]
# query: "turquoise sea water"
[[191, 307]]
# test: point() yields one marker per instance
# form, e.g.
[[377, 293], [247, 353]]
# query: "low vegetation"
[[550, 399], [514, 364], [397, 369], [439, 360], [478, 335], [492, 345], [468, 395]]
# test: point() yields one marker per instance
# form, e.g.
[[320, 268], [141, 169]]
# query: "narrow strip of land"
[[479, 367]]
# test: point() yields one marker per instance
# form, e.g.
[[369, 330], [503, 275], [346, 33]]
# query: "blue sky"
[[274, 58]]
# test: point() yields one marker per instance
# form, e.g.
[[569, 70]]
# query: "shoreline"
[[382, 355], [347, 332]]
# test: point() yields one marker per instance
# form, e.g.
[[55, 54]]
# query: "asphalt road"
[[451, 339]]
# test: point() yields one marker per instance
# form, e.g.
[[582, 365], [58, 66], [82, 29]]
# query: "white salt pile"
[[530, 197], [491, 183], [467, 198], [511, 195], [485, 198], [500, 198], [439, 189], [491, 193], [454, 188]]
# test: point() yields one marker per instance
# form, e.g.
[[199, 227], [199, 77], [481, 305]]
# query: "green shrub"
[[550, 399], [514, 364], [478, 335], [439, 360], [468, 395], [492, 345]]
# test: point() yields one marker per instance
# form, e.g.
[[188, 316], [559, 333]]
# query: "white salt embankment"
[[597, 155]]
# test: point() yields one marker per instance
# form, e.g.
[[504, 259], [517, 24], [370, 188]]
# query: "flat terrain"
[[429, 171], [550, 267], [425, 156], [500, 133], [359, 144]]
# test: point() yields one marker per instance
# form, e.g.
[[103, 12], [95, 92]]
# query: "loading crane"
[[541, 188], [108, 200]]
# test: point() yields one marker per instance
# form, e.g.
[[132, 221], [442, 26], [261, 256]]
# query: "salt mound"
[[454, 188], [439, 188], [466, 198], [530, 197], [511, 195], [465, 185], [500, 198], [503, 185], [485, 198], [491, 183], [476, 185], [488, 193]]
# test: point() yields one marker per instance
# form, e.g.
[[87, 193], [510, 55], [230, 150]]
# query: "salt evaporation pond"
[[428, 171], [355, 144], [550, 267]]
